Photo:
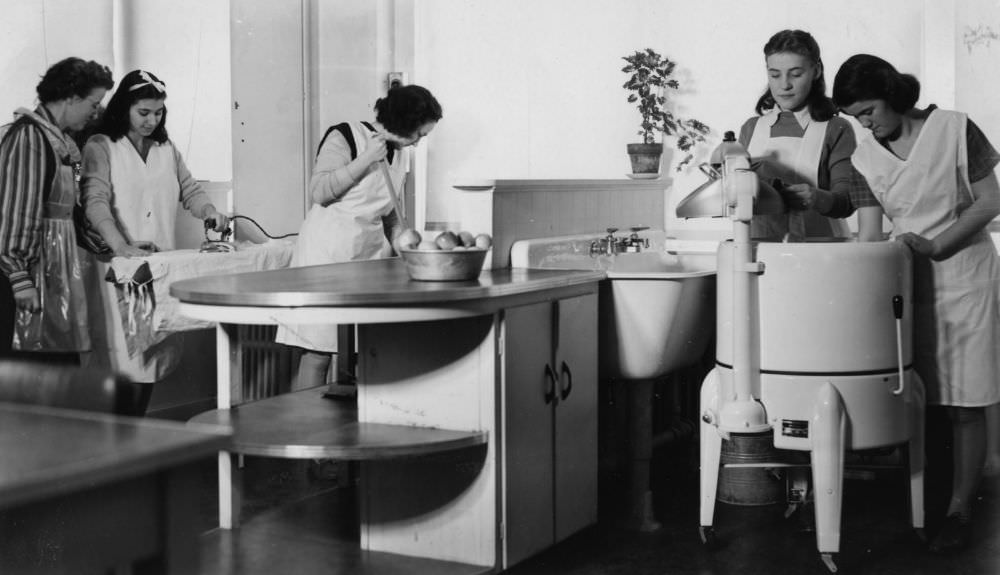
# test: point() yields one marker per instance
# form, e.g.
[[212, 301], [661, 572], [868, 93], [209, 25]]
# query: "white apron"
[[956, 301], [794, 161], [348, 229], [144, 199], [145, 194]]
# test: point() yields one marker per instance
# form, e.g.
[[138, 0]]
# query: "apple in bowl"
[[449, 256]]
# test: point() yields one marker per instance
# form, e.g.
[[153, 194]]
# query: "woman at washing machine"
[[797, 138], [932, 171]]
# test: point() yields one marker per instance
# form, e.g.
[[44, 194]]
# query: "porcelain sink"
[[657, 307]]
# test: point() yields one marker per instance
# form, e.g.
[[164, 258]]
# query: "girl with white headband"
[[133, 177]]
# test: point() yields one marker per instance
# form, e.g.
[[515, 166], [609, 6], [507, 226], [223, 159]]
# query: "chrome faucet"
[[606, 246], [634, 243], [611, 245]]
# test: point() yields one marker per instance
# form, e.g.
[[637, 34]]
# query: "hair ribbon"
[[148, 81]]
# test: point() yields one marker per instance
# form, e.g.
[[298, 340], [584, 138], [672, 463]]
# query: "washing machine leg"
[[711, 452], [916, 453], [710, 455], [828, 434]]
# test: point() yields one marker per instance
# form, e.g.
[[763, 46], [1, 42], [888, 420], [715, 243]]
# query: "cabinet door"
[[576, 416], [527, 433]]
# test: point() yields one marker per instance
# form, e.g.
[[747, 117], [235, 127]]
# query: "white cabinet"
[[525, 376], [549, 433], [437, 469]]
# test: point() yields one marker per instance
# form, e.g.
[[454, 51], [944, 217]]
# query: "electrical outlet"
[[396, 79]]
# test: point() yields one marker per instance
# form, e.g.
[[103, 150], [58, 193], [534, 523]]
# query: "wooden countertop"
[[46, 451], [372, 282], [368, 292]]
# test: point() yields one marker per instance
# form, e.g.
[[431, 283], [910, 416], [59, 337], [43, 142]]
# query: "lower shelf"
[[314, 534], [306, 425]]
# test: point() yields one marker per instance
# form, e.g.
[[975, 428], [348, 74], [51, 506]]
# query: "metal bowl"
[[444, 265]]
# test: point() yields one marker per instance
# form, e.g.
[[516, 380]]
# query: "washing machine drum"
[[823, 307]]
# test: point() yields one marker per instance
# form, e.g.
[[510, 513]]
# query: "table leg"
[[228, 393]]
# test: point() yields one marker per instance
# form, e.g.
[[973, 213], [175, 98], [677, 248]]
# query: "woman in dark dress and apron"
[[39, 172], [933, 173]]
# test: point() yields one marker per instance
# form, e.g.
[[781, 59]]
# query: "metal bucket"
[[749, 485]]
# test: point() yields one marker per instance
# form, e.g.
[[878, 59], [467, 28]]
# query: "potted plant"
[[650, 76]]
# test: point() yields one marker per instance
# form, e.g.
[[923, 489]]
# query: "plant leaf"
[[687, 159]]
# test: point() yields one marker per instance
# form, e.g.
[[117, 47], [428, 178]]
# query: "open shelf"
[[307, 425], [314, 534]]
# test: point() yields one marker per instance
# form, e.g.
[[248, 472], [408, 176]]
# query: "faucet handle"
[[634, 243]]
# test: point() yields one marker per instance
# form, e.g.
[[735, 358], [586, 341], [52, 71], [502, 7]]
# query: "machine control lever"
[[897, 311]]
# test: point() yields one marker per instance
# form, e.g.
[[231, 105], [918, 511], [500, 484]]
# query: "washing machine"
[[829, 365]]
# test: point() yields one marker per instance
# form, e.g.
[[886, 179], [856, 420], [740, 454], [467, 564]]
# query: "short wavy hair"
[[73, 77], [136, 85], [405, 108], [866, 77]]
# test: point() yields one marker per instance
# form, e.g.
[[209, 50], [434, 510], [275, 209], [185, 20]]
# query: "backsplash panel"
[[512, 210]]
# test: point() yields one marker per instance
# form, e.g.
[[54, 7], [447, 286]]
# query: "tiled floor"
[[302, 521]]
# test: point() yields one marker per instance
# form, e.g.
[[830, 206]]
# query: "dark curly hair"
[[405, 108], [73, 77], [136, 85], [867, 77], [802, 43]]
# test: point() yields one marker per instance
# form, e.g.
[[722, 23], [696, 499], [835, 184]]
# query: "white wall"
[[34, 34], [534, 89], [977, 55], [530, 89], [186, 44]]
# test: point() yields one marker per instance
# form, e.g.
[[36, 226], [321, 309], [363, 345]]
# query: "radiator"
[[264, 367]]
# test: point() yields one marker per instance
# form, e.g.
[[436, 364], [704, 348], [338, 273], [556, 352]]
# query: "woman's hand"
[[800, 197], [216, 220], [140, 249], [921, 245], [376, 151], [28, 300]]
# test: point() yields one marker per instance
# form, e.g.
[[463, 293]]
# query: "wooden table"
[[434, 374], [88, 493]]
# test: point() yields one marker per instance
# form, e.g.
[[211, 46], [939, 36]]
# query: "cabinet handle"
[[550, 387], [566, 389]]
